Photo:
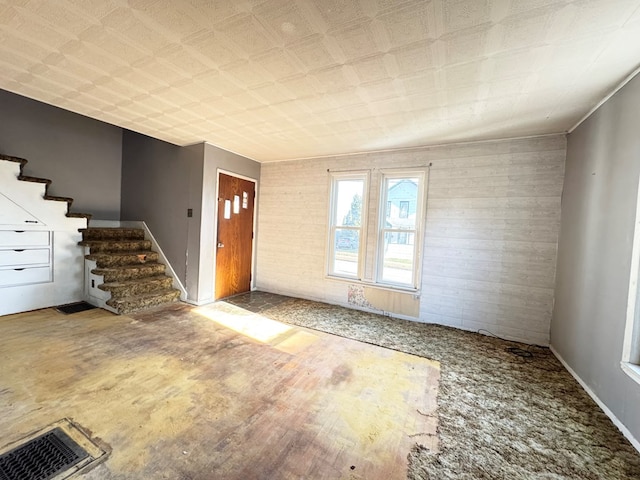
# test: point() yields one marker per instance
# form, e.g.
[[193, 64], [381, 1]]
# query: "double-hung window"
[[388, 251], [399, 229], [349, 193]]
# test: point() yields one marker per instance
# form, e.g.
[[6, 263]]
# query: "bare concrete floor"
[[216, 392]]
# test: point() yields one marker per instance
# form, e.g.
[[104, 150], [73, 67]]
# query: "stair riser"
[[130, 274], [20, 161], [123, 260], [112, 234], [143, 245], [125, 307], [138, 289]]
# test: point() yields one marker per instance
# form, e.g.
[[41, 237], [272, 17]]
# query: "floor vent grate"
[[74, 307], [41, 458]]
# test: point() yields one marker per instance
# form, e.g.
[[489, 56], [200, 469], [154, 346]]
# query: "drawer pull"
[[18, 269], [19, 231], [19, 250]]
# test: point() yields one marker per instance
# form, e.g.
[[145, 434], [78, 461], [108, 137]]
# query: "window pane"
[[397, 258], [349, 203], [345, 260], [402, 203]]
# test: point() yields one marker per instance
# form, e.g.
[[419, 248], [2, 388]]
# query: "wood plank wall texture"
[[491, 232]]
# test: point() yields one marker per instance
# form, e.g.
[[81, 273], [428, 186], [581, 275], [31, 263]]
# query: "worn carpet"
[[501, 416]]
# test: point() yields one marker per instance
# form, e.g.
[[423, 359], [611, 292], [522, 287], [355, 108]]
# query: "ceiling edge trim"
[[222, 148], [605, 99], [419, 147]]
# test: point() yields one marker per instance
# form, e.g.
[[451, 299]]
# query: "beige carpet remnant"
[[501, 416]]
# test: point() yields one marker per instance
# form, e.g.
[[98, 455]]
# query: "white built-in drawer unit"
[[25, 257], [24, 276], [24, 238]]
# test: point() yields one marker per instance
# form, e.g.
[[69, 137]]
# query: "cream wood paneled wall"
[[491, 231]]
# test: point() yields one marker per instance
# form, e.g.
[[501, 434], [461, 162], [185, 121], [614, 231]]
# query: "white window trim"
[[333, 178], [631, 345], [632, 370], [369, 241], [419, 236]]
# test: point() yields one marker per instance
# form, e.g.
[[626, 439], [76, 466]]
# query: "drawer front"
[[23, 238], [24, 276], [34, 256]]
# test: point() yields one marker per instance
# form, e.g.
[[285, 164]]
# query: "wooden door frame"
[[254, 226]]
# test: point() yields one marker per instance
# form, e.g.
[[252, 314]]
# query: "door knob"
[[220, 244]]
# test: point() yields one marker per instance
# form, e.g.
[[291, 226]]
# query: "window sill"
[[381, 286], [632, 370]]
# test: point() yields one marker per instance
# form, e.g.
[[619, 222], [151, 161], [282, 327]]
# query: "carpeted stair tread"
[[131, 273], [55, 198], [27, 178], [128, 272], [105, 246], [114, 259], [127, 288], [79, 215], [112, 233], [142, 301], [121, 253]]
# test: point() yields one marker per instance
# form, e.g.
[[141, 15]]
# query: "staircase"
[[41, 264], [46, 182], [126, 269]]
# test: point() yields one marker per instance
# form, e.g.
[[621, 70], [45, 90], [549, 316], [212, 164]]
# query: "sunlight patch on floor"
[[251, 325]]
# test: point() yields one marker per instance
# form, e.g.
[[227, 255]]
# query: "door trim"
[[252, 283]]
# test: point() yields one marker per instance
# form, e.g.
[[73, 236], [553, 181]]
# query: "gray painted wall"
[[156, 182], [160, 182], [82, 156], [594, 253], [196, 156]]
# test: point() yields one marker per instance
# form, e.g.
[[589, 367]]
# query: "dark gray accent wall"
[[82, 156], [156, 186], [160, 182], [594, 252]]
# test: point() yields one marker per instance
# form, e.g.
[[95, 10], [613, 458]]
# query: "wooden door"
[[235, 235]]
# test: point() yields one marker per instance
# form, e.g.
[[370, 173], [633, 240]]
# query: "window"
[[631, 343], [396, 254], [388, 251], [348, 192]]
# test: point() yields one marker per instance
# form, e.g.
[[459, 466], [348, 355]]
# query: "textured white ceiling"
[[283, 79]]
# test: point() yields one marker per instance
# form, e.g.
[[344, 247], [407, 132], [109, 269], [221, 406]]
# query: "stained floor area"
[[501, 416], [216, 392]]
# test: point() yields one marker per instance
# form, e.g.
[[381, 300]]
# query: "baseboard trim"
[[177, 284], [625, 431], [198, 303]]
